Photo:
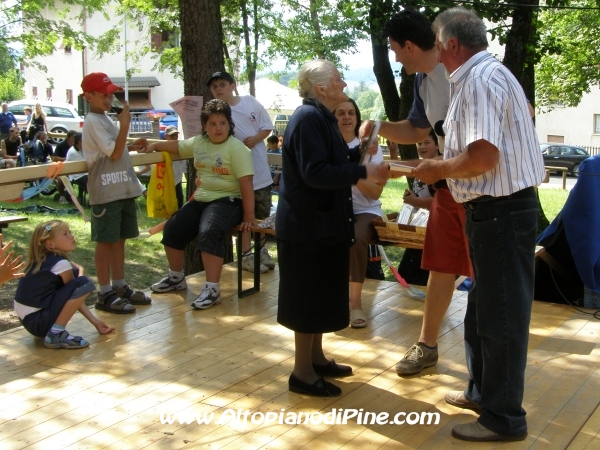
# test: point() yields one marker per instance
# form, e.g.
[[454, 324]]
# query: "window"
[[596, 123], [555, 138], [159, 40], [34, 92], [60, 112], [48, 94], [67, 49], [17, 109], [70, 96]]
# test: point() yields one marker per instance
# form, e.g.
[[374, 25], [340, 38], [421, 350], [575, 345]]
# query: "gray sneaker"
[[248, 264], [417, 358], [265, 258]]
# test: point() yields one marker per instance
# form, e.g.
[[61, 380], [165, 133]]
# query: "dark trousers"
[[501, 233]]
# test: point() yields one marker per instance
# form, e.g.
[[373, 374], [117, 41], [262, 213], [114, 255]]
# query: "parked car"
[[60, 117], [170, 118], [561, 155]]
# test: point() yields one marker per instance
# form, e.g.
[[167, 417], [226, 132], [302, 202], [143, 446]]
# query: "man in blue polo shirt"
[[7, 120]]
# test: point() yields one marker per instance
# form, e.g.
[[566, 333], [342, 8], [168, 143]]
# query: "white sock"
[[104, 288], [176, 275], [214, 286], [118, 283]]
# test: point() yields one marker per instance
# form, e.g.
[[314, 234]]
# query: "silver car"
[[60, 117]]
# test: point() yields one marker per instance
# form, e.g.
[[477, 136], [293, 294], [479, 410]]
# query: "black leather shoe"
[[332, 369], [319, 388]]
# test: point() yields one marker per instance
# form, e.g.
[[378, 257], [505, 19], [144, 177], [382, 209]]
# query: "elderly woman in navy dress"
[[315, 226]]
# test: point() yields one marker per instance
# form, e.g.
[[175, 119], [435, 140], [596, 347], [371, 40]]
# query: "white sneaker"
[[265, 258], [207, 298], [63, 200], [248, 264]]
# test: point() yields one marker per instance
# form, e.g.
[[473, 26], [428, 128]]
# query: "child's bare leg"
[[213, 265], [103, 255], [117, 260], [175, 258], [69, 310]]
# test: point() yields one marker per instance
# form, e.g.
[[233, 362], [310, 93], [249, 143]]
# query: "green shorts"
[[114, 221], [262, 203]]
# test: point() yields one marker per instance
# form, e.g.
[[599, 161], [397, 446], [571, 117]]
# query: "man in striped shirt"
[[491, 162]]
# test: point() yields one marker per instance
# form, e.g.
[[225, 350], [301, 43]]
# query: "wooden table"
[[564, 171], [7, 220]]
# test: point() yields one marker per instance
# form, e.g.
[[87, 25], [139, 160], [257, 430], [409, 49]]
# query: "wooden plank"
[[234, 356], [19, 174]]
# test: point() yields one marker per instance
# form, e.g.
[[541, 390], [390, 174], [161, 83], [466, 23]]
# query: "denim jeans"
[[501, 233]]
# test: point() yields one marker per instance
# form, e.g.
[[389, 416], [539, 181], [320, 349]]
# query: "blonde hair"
[[37, 247], [314, 73]]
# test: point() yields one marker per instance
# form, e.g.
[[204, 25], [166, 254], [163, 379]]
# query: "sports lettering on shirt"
[[114, 178]]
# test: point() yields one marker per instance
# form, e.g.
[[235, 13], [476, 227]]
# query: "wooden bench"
[[7, 220], [256, 232], [564, 171]]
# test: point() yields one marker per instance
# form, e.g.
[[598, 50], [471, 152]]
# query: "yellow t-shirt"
[[218, 165]]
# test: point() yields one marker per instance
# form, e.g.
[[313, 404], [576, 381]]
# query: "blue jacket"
[[7, 120], [581, 220], [38, 289], [315, 197]]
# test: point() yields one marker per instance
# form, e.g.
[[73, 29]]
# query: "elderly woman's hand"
[[378, 172]]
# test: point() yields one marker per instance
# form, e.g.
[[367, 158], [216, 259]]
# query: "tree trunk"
[[520, 56], [381, 64], [407, 95], [201, 56], [521, 42]]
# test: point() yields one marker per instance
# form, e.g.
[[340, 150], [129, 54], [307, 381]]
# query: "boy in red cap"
[[112, 187]]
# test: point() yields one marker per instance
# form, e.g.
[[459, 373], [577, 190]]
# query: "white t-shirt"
[[109, 180], [74, 155], [250, 117], [178, 170], [361, 204]]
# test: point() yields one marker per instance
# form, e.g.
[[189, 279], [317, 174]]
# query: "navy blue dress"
[[315, 222]]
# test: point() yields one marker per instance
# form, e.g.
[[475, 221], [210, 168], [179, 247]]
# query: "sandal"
[[63, 340], [356, 315], [112, 303], [133, 297]]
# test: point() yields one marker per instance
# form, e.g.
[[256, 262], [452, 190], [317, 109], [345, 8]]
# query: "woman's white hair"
[[314, 73]]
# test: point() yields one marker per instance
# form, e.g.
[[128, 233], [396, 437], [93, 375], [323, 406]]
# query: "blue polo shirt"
[[7, 120]]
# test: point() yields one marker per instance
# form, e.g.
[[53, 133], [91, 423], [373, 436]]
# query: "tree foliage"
[[25, 23], [570, 48], [309, 29]]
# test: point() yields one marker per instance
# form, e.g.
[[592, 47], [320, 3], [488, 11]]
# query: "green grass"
[[145, 258]]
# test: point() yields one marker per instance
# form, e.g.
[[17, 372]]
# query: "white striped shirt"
[[487, 102]]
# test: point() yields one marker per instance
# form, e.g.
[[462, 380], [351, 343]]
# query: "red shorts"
[[446, 246]]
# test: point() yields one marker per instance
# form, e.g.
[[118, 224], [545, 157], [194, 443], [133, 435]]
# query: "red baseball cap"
[[99, 82]]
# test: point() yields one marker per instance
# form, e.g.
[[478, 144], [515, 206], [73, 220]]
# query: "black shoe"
[[319, 388], [331, 369]]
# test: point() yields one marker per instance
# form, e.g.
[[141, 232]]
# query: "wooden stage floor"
[[235, 359]]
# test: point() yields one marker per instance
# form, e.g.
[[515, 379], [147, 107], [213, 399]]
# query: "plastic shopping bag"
[[161, 200]]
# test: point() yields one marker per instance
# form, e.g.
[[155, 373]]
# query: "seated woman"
[[366, 206], [37, 122], [224, 198], [420, 196]]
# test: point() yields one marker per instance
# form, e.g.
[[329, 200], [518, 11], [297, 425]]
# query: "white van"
[[60, 117]]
